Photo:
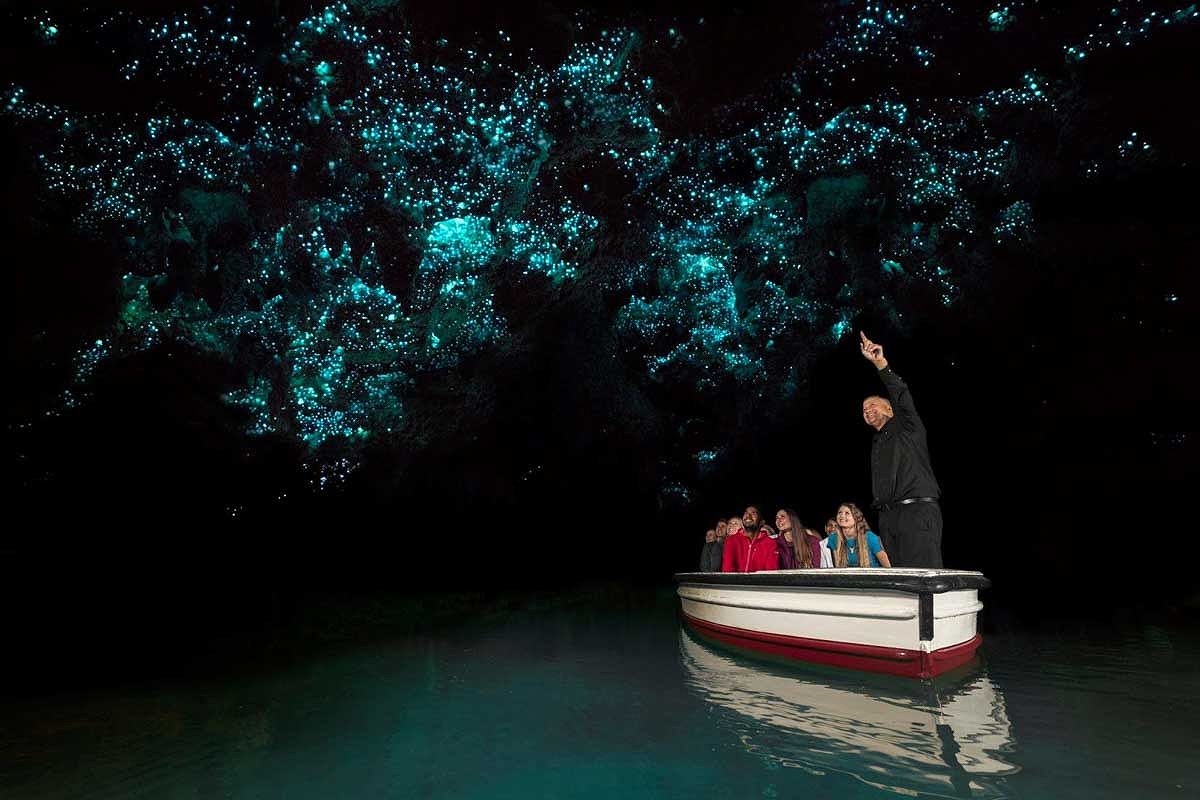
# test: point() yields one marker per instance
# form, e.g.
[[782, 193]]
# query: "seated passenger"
[[722, 534], [824, 554], [787, 552], [733, 528], [710, 556], [735, 525], [799, 547], [787, 547], [852, 538], [831, 528], [750, 549]]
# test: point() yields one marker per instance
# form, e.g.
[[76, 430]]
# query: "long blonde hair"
[[860, 539]]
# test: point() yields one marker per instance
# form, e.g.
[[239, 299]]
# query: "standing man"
[[750, 549], [906, 493]]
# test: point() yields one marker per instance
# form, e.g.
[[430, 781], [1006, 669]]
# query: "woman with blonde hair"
[[853, 538]]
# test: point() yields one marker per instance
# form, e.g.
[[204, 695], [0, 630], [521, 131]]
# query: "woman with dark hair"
[[785, 542], [852, 539], [799, 548]]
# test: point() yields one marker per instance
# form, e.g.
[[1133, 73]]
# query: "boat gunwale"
[[872, 579]]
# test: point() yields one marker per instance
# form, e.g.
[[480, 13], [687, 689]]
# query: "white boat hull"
[[919, 623]]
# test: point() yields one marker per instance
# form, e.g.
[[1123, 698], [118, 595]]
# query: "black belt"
[[905, 502]]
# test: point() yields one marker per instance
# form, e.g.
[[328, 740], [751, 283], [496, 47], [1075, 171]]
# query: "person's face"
[[875, 412], [782, 523], [722, 529], [845, 519], [830, 526], [735, 525], [750, 518], [710, 536]]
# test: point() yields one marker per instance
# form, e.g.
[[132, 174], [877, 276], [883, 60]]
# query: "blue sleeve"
[[831, 542], [874, 544]]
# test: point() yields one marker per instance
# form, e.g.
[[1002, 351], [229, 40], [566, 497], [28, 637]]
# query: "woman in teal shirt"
[[852, 538]]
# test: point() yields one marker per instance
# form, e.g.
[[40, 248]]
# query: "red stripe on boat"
[[867, 657]]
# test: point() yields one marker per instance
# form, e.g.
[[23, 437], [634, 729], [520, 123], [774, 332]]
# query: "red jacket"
[[743, 555]]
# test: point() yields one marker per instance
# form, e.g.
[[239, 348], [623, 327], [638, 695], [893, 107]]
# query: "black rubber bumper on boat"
[[915, 584]]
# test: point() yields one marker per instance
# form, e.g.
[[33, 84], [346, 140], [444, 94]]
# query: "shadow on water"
[[942, 738]]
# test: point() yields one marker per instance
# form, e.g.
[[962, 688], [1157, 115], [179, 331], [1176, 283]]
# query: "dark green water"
[[609, 699]]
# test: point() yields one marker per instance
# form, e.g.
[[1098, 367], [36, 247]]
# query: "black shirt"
[[900, 465]]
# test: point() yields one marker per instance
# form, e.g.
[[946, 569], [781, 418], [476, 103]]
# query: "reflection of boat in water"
[[932, 737], [914, 622]]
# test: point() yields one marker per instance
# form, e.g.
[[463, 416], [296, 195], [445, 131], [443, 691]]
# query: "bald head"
[[877, 411]]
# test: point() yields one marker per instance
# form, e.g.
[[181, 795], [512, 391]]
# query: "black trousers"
[[912, 534]]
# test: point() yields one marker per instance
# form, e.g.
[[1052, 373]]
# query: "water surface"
[[610, 698]]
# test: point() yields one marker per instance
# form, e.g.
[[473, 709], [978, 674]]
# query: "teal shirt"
[[874, 545]]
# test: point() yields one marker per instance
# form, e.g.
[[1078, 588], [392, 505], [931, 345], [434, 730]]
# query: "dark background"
[[1058, 399]]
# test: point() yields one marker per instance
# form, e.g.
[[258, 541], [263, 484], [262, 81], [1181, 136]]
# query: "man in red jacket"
[[751, 549]]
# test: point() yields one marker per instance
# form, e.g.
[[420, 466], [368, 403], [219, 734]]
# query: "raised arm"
[[897, 389]]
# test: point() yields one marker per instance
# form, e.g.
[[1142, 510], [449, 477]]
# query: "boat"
[[919, 623], [947, 737]]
